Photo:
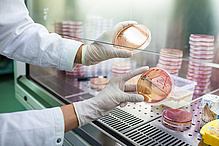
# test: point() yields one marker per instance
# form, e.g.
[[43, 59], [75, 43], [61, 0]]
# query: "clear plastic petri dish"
[[199, 80], [201, 37], [201, 52], [173, 52], [205, 56], [121, 65], [98, 83], [177, 115], [135, 36], [171, 67], [202, 47], [199, 72], [155, 85], [176, 119], [202, 43], [169, 63], [194, 69], [201, 59], [199, 65], [165, 58]]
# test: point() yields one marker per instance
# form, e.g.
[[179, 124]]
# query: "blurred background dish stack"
[[120, 67], [77, 71], [201, 49], [95, 26], [98, 83], [171, 60], [70, 30]]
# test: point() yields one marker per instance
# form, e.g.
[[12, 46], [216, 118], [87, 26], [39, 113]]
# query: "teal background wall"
[[8, 102]]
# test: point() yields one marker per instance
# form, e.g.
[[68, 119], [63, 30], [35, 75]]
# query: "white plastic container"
[[182, 92]]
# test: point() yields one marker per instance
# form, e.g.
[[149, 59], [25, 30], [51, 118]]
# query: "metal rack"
[[138, 123], [141, 125]]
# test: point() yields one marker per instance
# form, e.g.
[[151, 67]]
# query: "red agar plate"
[[155, 85], [177, 115]]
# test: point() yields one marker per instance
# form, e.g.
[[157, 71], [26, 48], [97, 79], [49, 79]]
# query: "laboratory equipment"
[[170, 60], [98, 83], [77, 71], [201, 49], [209, 133], [182, 92], [70, 30], [133, 37], [177, 119], [137, 123], [120, 67], [155, 85]]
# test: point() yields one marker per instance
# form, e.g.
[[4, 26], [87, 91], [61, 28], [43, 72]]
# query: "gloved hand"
[[97, 52], [108, 99]]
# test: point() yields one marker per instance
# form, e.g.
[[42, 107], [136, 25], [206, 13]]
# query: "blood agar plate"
[[155, 85], [133, 36], [177, 115], [176, 119]]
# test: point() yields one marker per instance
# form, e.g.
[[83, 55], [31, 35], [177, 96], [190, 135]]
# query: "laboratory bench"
[[173, 24]]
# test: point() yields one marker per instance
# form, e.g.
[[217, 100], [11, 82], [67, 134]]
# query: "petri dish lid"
[[155, 85], [133, 36], [177, 115]]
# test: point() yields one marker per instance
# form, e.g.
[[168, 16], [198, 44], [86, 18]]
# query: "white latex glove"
[[97, 52], [108, 99]]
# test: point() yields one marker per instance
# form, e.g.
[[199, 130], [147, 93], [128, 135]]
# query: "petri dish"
[[202, 47], [171, 67], [202, 43], [98, 83], [135, 36], [176, 119], [169, 63], [201, 37], [173, 52], [155, 85], [177, 115], [121, 65]]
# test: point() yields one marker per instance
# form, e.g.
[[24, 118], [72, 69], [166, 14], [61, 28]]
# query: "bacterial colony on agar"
[[155, 85]]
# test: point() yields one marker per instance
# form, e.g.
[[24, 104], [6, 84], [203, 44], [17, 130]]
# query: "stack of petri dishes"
[[77, 71], [201, 49], [171, 60], [176, 119], [98, 83], [70, 30], [120, 67]]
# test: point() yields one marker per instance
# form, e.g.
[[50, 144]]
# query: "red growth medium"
[[177, 115]]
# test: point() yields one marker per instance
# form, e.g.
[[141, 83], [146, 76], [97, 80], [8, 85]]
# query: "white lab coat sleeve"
[[22, 39], [32, 128]]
